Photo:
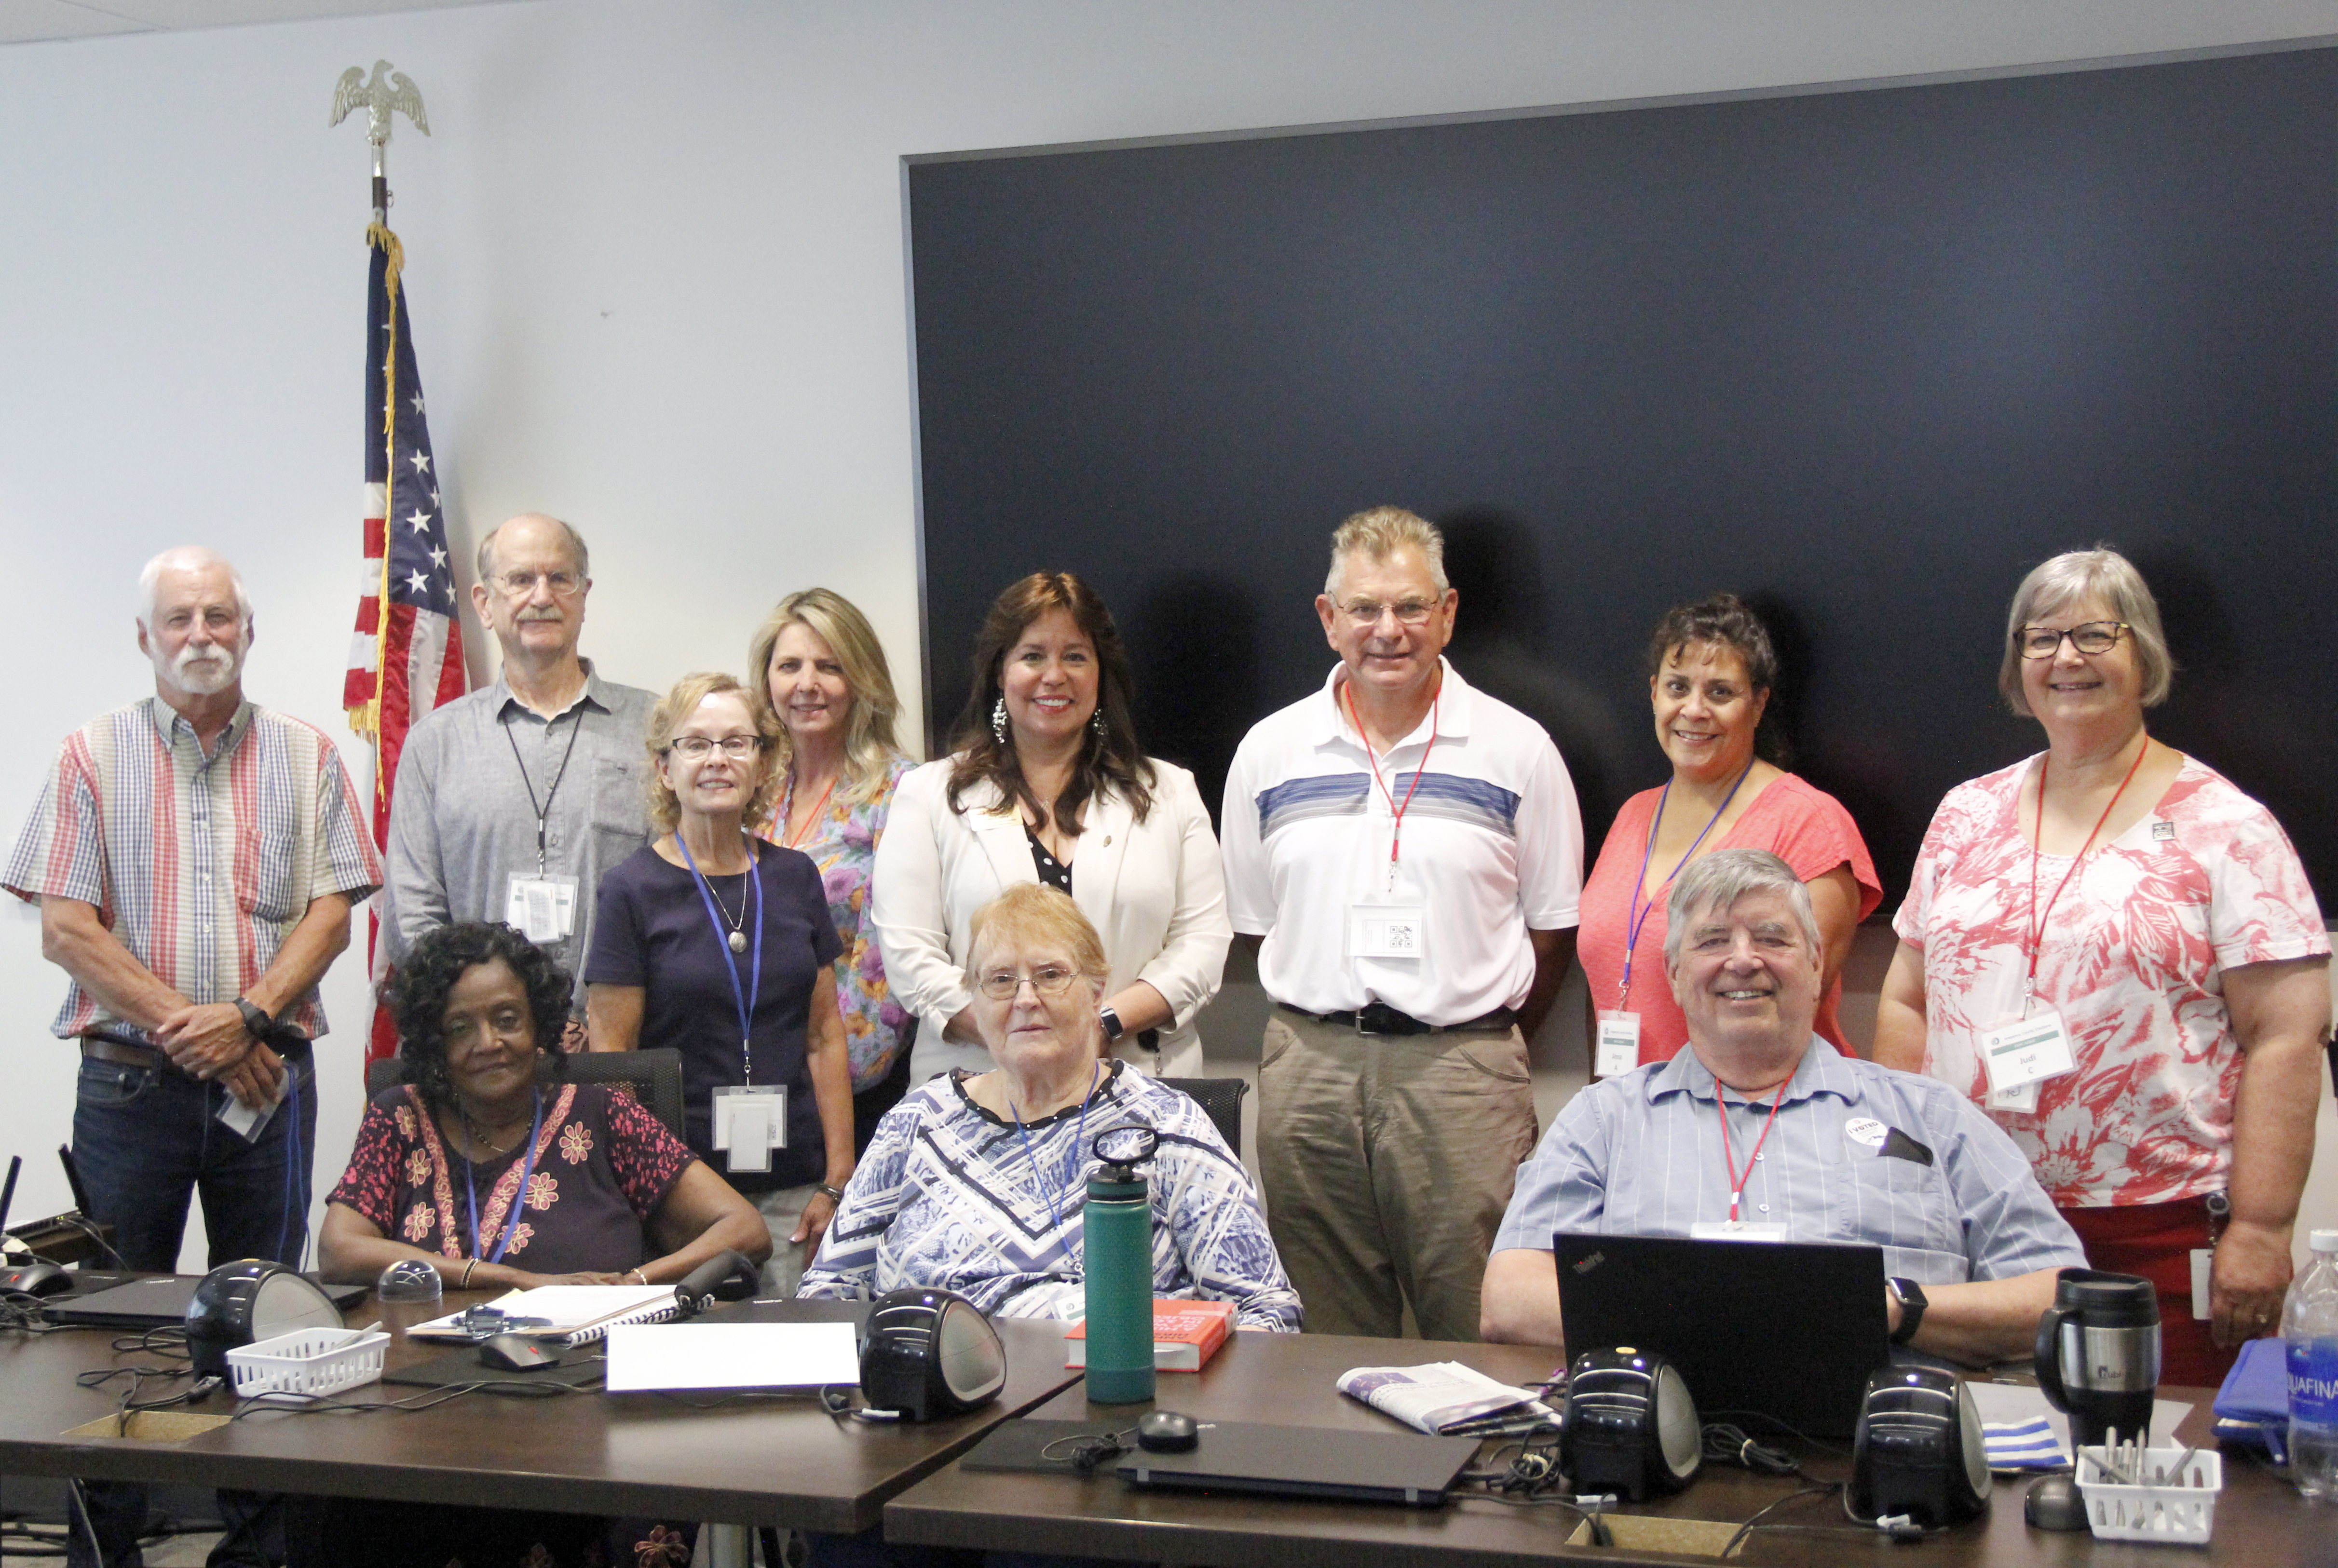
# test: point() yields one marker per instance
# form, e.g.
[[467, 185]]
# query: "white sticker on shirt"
[[1866, 1130], [1735, 1230]]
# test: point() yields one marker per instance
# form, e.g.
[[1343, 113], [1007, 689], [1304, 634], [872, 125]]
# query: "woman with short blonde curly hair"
[[719, 946]]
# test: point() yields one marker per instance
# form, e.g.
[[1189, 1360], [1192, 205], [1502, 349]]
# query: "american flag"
[[406, 657]]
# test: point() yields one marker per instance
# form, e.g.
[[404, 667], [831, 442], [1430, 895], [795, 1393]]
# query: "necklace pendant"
[[738, 941]]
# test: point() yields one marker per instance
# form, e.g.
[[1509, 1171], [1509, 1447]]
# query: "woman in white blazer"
[[1046, 784]]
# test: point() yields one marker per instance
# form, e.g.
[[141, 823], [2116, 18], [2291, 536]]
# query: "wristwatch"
[[1911, 1296], [256, 1021], [1113, 1028]]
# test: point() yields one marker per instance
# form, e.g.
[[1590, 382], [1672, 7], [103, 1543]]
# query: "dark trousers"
[[148, 1141]]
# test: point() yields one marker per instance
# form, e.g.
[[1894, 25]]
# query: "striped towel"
[[2023, 1445]]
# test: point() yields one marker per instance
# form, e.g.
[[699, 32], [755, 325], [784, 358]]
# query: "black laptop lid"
[[155, 1300], [1788, 1328], [1409, 1469]]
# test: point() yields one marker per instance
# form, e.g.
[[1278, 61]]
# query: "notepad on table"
[[569, 1314]]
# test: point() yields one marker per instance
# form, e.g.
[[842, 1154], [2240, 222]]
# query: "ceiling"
[[36, 21]]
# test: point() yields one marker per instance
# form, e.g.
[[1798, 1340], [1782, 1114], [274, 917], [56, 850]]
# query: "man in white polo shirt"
[[1404, 855]]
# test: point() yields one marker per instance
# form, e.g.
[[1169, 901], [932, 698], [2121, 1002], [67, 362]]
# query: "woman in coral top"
[[2116, 909], [1710, 673]]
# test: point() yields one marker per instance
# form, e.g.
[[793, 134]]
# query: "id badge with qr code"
[[543, 907], [1388, 931]]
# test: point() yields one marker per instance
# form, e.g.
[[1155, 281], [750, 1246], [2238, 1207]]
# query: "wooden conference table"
[[1288, 1380], [760, 1461]]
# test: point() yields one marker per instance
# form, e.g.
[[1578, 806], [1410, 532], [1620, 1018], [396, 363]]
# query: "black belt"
[[105, 1045], [1379, 1018]]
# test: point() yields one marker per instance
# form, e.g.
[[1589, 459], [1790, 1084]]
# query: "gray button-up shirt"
[[1641, 1155], [461, 826]]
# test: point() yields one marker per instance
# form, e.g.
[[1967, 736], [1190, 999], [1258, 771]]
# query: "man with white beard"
[[195, 857]]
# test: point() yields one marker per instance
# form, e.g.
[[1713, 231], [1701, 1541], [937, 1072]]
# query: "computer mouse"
[[517, 1353], [1167, 1432], [37, 1278], [2055, 1503]]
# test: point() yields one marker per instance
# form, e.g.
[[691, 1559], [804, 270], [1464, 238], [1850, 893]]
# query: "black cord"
[[1728, 1445], [1772, 1421], [1822, 1489], [1090, 1449], [81, 1222], [299, 1404]]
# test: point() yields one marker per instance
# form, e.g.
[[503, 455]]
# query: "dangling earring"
[[1095, 721], [998, 721]]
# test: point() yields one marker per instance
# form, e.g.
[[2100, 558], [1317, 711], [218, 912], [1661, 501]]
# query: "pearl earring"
[[1096, 722]]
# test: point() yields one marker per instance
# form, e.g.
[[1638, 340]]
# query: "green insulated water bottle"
[[1117, 1236]]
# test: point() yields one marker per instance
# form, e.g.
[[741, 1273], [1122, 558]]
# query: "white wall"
[[655, 259]]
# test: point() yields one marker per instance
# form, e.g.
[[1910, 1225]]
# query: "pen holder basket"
[[308, 1361], [2176, 1502]]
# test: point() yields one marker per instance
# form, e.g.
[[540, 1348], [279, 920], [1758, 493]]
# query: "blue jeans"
[[147, 1140]]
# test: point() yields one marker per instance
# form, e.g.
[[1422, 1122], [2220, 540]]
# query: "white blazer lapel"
[[1000, 835], [1095, 865]]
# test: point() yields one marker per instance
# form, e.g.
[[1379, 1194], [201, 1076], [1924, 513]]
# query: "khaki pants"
[[1386, 1162]]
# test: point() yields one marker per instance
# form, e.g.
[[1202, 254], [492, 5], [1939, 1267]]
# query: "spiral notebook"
[[565, 1314]]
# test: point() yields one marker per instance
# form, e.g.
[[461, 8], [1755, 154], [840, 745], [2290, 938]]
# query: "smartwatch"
[[1113, 1028], [256, 1021], [1911, 1296]]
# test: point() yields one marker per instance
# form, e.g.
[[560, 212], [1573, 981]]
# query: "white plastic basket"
[[2176, 1504], [308, 1361]]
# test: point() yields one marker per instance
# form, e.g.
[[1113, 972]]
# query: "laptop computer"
[[1401, 1467], [1790, 1330], [154, 1300]]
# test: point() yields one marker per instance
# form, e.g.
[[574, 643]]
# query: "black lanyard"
[[544, 811]]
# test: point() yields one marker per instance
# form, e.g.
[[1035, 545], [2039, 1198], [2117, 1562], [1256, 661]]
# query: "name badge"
[[2018, 1055], [1616, 1043], [750, 1122], [1735, 1230], [543, 907], [1387, 931], [2203, 1261]]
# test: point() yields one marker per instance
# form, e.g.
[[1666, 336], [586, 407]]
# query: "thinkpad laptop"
[[1790, 1330], [154, 1300], [1314, 1462]]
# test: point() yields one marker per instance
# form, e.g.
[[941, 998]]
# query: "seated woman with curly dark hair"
[[497, 1178]]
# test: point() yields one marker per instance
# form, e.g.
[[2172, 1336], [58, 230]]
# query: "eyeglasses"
[[1047, 980], [520, 584], [1408, 612], [2089, 637], [697, 748]]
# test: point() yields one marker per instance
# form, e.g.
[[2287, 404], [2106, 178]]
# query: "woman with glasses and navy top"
[[2117, 954], [1046, 784], [1711, 670], [720, 945]]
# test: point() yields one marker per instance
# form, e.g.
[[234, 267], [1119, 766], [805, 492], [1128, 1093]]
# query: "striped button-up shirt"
[[1859, 1153], [200, 866]]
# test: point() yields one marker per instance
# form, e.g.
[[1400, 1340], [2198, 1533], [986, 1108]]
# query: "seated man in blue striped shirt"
[[1761, 1129]]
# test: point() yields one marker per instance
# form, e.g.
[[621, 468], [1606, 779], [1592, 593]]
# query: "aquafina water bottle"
[[2309, 1329]]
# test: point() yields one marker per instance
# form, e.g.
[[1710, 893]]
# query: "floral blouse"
[[603, 1163], [842, 842]]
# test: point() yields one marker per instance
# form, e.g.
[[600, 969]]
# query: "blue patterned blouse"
[[949, 1196]]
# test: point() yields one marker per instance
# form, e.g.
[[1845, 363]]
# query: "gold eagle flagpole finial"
[[387, 92]]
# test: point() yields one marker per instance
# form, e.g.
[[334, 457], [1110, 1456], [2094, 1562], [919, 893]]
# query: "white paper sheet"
[[732, 1355]]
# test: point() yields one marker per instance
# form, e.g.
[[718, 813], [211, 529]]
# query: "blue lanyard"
[[748, 994], [519, 1199], [1079, 1135], [1639, 911]]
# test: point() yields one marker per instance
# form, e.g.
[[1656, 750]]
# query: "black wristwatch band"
[[256, 1021], [1911, 1308], [1112, 1027]]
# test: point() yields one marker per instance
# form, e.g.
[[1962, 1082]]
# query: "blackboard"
[[1863, 356]]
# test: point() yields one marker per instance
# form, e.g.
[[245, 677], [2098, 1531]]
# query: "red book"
[[1186, 1335]]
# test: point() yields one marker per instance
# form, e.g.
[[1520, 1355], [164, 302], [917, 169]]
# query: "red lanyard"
[[1420, 767], [2036, 836], [787, 807], [1736, 1181]]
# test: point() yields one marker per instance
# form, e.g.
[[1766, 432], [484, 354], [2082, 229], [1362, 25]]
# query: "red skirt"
[[2155, 1241]]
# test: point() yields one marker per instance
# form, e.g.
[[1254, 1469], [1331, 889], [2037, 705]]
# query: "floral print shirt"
[[842, 842], [2133, 956], [603, 1163]]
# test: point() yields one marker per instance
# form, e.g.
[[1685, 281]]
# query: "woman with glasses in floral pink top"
[[828, 683], [2116, 952]]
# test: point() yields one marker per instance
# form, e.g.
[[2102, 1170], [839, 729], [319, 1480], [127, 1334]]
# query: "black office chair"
[[1222, 1098], [655, 1077]]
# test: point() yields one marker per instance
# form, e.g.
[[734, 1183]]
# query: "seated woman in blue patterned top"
[[974, 1182]]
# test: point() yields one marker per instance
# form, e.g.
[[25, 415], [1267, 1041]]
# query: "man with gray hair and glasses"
[[1404, 857], [195, 857], [1761, 1132], [513, 799]]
